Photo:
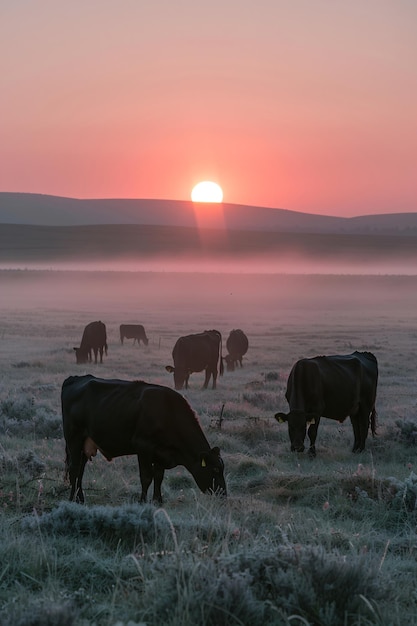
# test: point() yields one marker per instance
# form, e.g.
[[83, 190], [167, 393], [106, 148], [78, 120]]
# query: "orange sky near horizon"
[[308, 106]]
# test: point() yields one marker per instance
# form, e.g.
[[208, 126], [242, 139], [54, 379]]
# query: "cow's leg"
[[207, 375], [76, 465], [145, 474], [312, 435], [360, 423], [101, 354], [79, 494], [358, 445], [214, 374], [158, 476], [364, 421]]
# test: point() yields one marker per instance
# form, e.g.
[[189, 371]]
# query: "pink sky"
[[307, 105]]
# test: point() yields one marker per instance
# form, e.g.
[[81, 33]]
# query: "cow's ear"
[[169, 369], [215, 451], [281, 417]]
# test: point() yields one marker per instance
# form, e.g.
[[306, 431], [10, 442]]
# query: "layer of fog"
[[285, 264], [141, 296]]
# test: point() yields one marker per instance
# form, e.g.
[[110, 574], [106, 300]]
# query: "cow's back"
[[117, 413], [72, 391], [304, 389], [331, 386], [192, 352], [94, 335], [370, 373], [166, 415], [89, 400], [133, 331]]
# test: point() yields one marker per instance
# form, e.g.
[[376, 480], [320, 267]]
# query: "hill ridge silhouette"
[[49, 210]]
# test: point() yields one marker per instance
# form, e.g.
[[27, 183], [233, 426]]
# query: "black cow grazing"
[[94, 339], [237, 345], [120, 417], [334, 387], [195, 353], [133, 331]]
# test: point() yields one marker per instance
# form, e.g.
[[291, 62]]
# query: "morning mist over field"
[[260, 264]]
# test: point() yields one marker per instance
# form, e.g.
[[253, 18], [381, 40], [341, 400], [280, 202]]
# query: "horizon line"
[[190, 202]]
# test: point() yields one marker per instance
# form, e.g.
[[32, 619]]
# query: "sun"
[[207, 191]]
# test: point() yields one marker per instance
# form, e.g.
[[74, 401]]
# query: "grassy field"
[[329, 541]]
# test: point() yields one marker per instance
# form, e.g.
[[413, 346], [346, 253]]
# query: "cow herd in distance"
[[192, 353], [156, 423]]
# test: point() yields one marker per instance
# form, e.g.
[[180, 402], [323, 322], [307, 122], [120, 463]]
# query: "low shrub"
[[26, 462], [123, 523], [407, 431], [405, 493], [265, 400], [24, 416], [264, 588], [44, 613]]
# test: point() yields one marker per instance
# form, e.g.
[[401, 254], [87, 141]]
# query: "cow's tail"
[[67, 464], [221, 358], [374, 416], [105, 338]]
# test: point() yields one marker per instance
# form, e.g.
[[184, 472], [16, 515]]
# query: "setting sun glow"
[[207, 191]]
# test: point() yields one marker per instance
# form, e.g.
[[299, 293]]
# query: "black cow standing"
[[120, 417], [195, 353], [94, 339], [237, 345], [133, 331], [335, 387]]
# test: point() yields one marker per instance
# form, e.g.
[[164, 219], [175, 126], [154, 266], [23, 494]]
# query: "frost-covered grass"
[[325, 541]]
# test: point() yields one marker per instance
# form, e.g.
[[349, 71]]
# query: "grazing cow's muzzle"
[[217, 491]]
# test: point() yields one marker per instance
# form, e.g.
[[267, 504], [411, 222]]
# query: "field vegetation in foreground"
[[330, 541]]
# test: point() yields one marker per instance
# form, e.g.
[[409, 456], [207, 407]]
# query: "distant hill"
[[45, 210]]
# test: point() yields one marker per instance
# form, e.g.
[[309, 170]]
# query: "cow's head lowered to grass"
[[298, 422], [181, 376], [209, 476]]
